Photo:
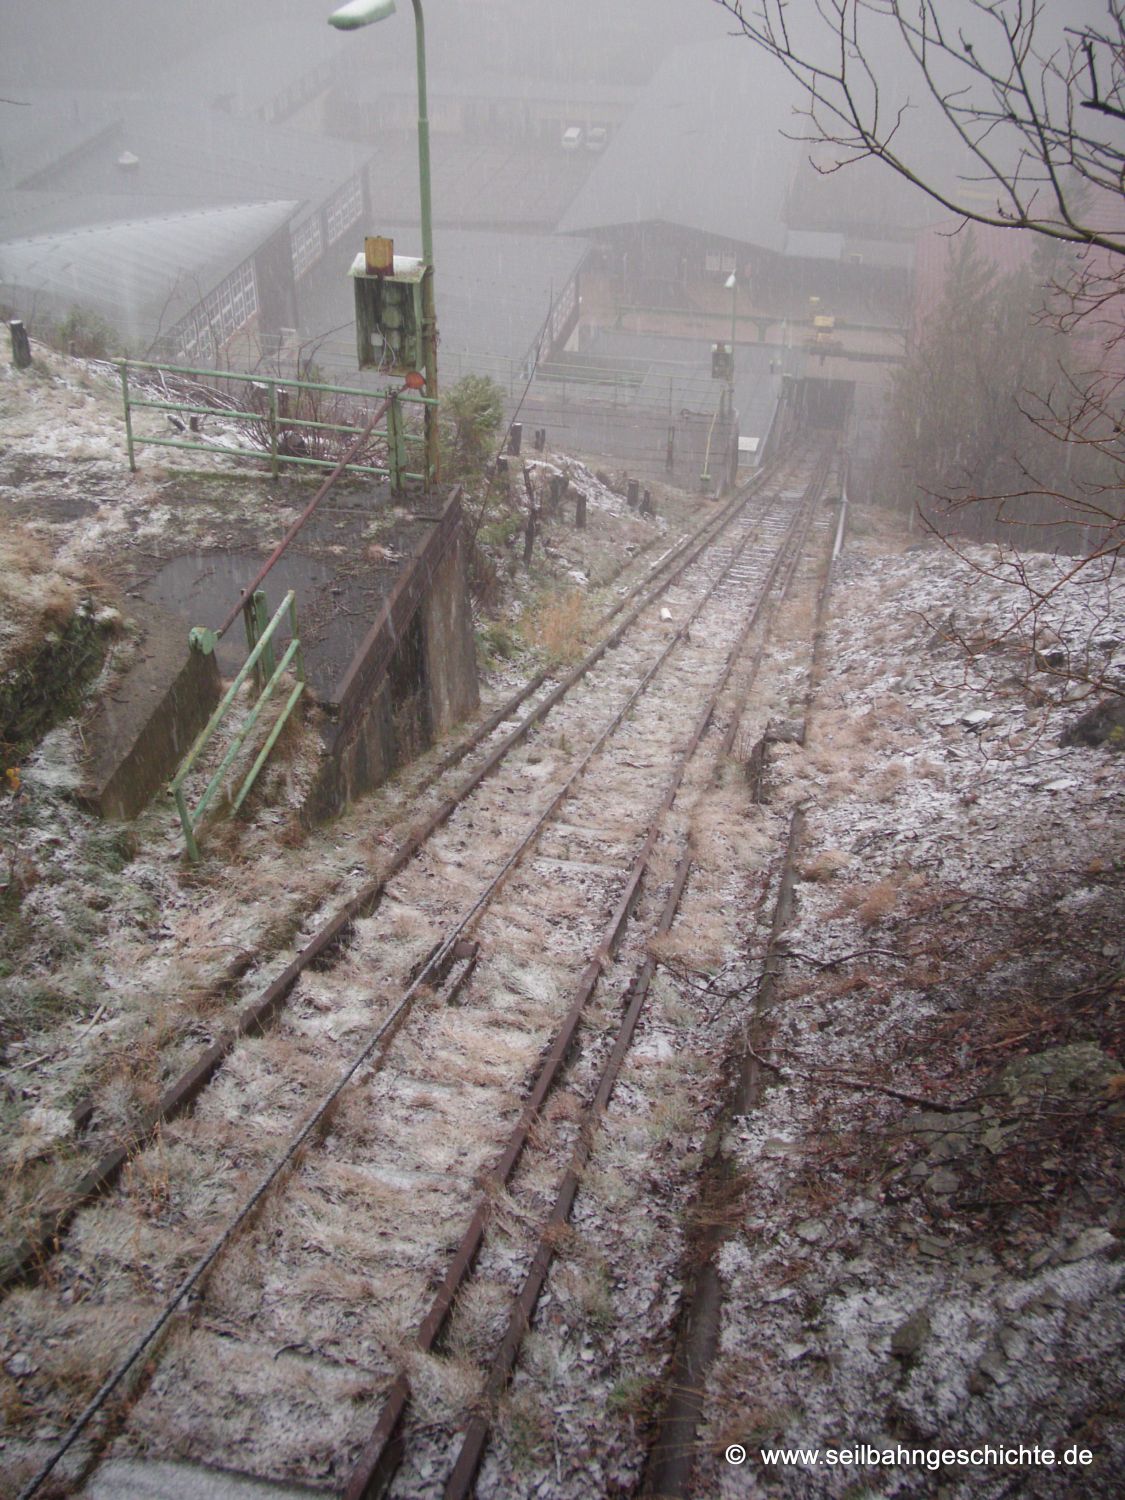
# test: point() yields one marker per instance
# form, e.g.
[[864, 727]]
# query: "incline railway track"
[[538, 695], [357, 1156]]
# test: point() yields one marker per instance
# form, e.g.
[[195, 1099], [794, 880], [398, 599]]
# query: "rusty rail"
[[383, 1033], [31, 1254], [381, 1454]]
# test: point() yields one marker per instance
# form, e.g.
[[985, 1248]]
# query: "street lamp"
[[731, 285], [351, 17]]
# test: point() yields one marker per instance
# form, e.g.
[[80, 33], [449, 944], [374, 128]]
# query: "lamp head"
[[359, 13], [730, 282]]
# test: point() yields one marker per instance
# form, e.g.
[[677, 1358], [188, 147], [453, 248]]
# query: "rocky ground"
[[924, 1196]]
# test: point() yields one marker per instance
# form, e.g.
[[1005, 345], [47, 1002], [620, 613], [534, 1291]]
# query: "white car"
[[572, 138]]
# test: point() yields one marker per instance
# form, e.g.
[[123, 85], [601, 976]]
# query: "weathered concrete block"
[[450, 645], [407, 684], [137, 733]]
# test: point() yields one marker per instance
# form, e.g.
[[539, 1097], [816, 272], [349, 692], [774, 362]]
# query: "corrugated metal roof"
[[140, 272], [703, 150]]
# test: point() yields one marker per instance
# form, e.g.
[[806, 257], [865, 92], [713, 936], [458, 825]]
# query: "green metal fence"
[[274, 420], [268, 671]]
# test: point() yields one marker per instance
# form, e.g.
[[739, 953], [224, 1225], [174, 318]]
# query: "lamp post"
[[731, 285], [351, 17]]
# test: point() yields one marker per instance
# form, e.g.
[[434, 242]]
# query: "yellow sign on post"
[[379, 255]]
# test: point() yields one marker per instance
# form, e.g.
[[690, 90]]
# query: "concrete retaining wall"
[[414, 676], [140, 730]]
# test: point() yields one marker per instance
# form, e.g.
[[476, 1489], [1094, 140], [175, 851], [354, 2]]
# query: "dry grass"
[[869, 903], [721, 820], [482, 1308], [684, 949], [559, 626], [36, 596], [525, 1424], [888, 780], [825, 865], [442, 1388], [15, 1412]]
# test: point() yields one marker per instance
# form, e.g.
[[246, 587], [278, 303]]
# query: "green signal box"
[[388, 309], [722, 362]]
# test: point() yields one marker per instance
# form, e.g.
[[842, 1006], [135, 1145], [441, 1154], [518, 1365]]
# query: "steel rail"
[[381, 1454], [712, 525], [31, 1254], [671, 1457], [384, 1033], [463, 1475]]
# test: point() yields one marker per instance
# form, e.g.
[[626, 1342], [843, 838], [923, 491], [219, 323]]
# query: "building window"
[[720, 265], [343, 210], [307, 245], [219, 316]]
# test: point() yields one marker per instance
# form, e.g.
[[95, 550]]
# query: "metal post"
[[396, 443], [273, 429], [429, 313], [186, 823], [256, 616], [429, 346], [423, 135], [124, 368], [732, 283], [299, 658], [267, 662]]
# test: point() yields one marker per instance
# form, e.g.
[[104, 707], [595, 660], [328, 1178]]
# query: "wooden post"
[[633, 493], [580, 511], [21, 345], [532, 515]]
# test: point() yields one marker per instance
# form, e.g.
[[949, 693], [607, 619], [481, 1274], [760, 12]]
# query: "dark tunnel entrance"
[[826, 403]]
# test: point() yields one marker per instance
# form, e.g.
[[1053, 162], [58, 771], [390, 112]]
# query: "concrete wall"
[[137, 734], [450, 648], [413, 693]]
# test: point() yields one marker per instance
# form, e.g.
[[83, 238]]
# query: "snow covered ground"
[[921, 1241]]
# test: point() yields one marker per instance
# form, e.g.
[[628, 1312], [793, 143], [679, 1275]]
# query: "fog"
[[124, 112], [193, 182]]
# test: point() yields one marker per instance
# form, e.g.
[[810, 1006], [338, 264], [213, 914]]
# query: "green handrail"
[[203, 640], [250, 379], [397, 436]]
